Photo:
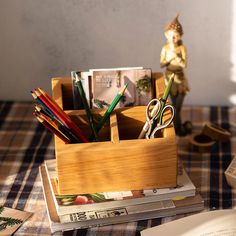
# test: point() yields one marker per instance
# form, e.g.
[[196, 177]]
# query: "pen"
[[77, 77], [111, 108]]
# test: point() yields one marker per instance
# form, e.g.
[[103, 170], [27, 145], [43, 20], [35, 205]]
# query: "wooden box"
[[119, 161]]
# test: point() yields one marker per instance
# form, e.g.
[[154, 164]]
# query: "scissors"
[[154, 118]]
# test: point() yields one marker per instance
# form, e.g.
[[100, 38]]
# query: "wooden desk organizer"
[[119, 161]]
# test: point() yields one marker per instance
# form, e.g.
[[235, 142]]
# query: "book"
[[136, 212], [11, 219], [106, 83], [115, 215], [214, 223], [66, 204]]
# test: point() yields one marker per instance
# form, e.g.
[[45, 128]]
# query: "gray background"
[[41, 39]]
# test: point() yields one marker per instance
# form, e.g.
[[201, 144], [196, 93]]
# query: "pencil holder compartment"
[[130, 122], [80, 118], [62, 92], [118, 161]]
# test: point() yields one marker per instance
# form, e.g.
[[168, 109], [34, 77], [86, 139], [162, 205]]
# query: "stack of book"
[[66, 212]]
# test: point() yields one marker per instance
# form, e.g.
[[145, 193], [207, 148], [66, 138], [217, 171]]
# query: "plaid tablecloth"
[[25, 144]]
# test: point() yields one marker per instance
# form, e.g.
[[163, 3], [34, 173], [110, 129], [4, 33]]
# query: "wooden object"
[[211, 133], [119, 161]]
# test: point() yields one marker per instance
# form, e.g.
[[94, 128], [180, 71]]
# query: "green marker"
[[111, 108], [163, 102], [77, 77], [165, 96]]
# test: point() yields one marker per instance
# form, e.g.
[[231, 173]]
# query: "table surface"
[[25, 144]]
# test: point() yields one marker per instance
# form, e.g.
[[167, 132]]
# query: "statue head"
[[174, 31]]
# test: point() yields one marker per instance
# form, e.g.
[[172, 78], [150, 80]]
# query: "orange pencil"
[[51, 123], [58, 126], [41, 109], [52, 129]]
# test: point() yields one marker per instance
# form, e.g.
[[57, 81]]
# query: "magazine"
[[66, 204], [86, 82], [107, 83]]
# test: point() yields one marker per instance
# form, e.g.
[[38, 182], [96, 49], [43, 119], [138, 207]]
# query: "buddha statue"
[[174, 59]]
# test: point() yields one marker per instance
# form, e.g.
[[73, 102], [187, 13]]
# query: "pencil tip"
[[124, 88]]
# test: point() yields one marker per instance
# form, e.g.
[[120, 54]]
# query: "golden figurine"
[[174, 59]]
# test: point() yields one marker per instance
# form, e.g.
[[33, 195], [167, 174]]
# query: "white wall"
[[48, 38]]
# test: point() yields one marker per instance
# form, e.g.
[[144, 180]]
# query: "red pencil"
[[52, 129], [53, 106], [62, 115]]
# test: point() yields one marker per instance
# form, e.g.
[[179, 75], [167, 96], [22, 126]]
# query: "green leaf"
[[7, 221]]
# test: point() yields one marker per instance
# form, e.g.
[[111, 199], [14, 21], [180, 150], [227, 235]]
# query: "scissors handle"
[[151, 117], [154, 110], [166, 123]]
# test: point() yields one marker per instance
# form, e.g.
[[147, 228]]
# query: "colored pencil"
[[52, 129], [41, 109], [77, 78], [41, 104], [53, 124], [51, 104], [111, 108], [61, 128], [164, 97]]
